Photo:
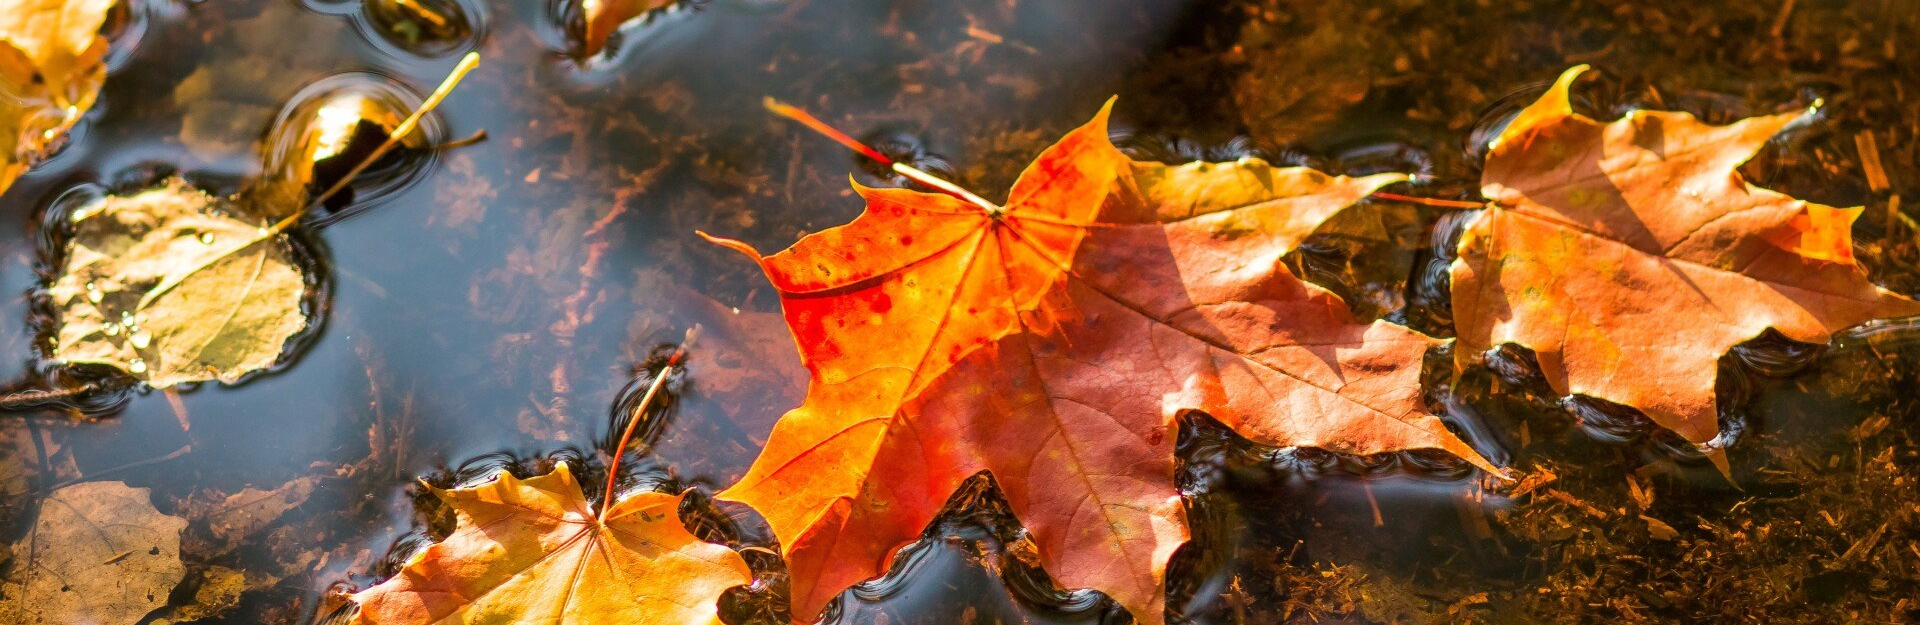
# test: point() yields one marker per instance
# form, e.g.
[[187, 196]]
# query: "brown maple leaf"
[[1629, 256], [1052, 341], [534, 551]]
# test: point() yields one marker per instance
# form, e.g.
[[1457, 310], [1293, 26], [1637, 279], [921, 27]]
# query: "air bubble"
[[137, 366], [206, 238], [140, 338]]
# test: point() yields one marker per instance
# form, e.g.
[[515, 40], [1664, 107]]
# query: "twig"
[[184, 450], [1779, 28], [476, 137], [24, 400], [1870, 161]]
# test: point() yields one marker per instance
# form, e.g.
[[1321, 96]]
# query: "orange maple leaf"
[[1052, 341], [534, 551], [1629, 256]]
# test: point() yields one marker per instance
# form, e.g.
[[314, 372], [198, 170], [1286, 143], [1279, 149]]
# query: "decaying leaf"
[[52, 63], [99, 553], [220, 523], [534, 551], [172, 285], [1629, 256], [1052, 342], [216, 591], [603, 17]]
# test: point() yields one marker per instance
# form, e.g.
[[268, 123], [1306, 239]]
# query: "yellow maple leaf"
[[534, 551]]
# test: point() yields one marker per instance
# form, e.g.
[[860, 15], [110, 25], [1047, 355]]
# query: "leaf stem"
[[910, 172], [1427, 201], [406, 127], [639, 411]]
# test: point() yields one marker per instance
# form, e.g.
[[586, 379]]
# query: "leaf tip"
[[1554, 105]]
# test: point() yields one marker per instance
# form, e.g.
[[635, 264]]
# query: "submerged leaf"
[[100, 553], [1631, 255], [52, 63], [533, 551], [171, 285], [1053, 342]]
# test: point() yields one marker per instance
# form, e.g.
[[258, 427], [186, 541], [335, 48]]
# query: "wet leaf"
[[99, 553], [52, 63], [172, 285], [1631, 255], [222, 524], [533, 551], [603, 17], [216, 591], [1053, 343]]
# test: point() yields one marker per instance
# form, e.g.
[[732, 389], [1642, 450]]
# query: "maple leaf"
[[52, 63], [534, 551], [1629, 256], [1052, 342], [173, 285]]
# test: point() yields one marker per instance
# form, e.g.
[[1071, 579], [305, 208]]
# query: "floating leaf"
[[603, 17], [1630, 256], [52, 63], [533, 551], [1053, 342], [99, 553], [173, 285]]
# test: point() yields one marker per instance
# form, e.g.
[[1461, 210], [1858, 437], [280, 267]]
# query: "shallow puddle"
[[492, 304]]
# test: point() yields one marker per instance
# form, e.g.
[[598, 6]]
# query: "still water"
[[492, 304]]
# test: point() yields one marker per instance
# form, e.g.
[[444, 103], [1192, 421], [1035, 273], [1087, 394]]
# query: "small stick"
[[179, 409], [1374, 504], [1870, 161], [633, 422], [476, 137], [182, 451], [422, 12], [910, 172], [34, 398]]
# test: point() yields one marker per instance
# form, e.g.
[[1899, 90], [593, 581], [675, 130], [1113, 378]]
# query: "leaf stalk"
[[633, 421]]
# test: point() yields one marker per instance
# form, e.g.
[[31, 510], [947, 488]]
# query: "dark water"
[[488, 309]]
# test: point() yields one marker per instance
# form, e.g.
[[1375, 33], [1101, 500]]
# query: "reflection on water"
[[501, 300]]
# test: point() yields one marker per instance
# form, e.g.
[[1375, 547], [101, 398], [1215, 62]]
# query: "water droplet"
[[140, 338], [111, 329], [93, 293], [137, 366], [126, 316], [206, 238]]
